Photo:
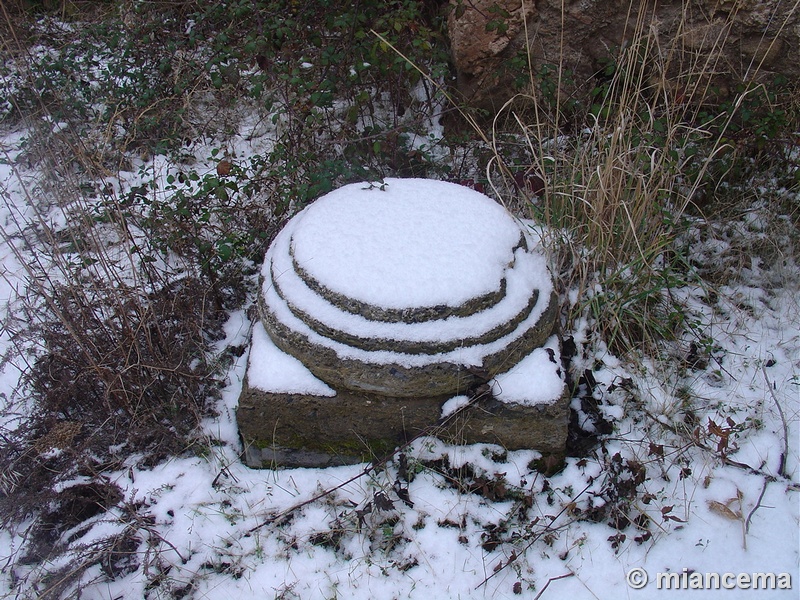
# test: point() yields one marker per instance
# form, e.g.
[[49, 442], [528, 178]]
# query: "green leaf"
[[224, 251]]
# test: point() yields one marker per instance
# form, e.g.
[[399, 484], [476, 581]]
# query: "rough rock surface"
[[433, 378], [762, 39]]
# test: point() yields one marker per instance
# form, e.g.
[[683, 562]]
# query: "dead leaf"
[[224, 168], [723, 511]]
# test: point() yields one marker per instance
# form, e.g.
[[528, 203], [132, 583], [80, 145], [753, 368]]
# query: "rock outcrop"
[[494, 41]]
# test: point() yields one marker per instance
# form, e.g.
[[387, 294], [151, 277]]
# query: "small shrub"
[[122, 371]]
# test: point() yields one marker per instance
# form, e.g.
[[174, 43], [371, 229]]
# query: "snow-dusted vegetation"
[[149, 157]]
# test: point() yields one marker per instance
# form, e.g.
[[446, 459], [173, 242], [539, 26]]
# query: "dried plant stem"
[[757, 506], [785, 453], [551, 580], [535, 537], [374, 464]]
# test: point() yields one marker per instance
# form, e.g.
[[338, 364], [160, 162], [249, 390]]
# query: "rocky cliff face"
[[727, 41]]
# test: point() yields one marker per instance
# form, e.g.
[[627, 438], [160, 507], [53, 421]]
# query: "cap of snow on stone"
[[396, 287], [406, 243]]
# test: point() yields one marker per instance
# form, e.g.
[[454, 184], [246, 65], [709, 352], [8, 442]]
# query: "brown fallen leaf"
[[724, 511], [224, 168]]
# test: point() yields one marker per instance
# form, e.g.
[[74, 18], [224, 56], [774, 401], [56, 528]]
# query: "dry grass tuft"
[[614, 185]]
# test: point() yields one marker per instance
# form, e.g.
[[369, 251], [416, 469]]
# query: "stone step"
[[410, 336], [400, 315], [402, 374], [416, 354]]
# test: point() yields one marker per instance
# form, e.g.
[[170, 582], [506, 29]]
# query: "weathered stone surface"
[[352, 427], [300, 285], [761, 38], [320, 250], [301, 430], [407, 315], [376, 344], [394, 379], [514, 427]]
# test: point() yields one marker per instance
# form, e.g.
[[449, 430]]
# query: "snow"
[[536, 379], [453, 405], [13, 274], [272, 370], [405, 231], [468, 355], [526, 275], [208, 513], [375, 243], [406, 243], [203, 522]]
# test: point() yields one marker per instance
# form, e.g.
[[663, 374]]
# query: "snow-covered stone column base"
[[403, 308]]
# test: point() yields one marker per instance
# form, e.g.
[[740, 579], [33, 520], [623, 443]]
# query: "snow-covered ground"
[[689, 482]]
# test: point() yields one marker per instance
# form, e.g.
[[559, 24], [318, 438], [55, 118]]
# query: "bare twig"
[[725, 459], [551, 580], [546, 529], [757, 506], [375, 464], [326, 492], [785, 453]]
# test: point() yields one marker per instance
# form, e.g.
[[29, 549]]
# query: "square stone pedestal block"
[[301, 430], [318, 426]]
